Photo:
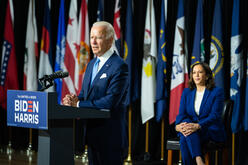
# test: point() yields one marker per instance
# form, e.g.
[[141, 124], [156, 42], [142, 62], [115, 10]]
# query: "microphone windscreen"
[[64, 74]]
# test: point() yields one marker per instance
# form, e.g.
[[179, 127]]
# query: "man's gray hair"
[[110, 32]]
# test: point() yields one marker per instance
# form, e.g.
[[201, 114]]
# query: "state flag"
[[70, 83], [46, 59], [30, 82], [198, 54], [148, 78], [129, 57], [161, 91], [216, 62], [9, 76], [117, 27], [236, 69], [60, 49], [179, 75]]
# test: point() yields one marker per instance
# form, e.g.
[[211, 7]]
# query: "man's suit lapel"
[[87, 77], [104, 69]]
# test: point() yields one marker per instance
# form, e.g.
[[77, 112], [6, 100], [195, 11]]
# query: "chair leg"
[[180, 158], [169, 157], [207, 158]]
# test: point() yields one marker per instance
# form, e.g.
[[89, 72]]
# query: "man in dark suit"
[[106, 138]]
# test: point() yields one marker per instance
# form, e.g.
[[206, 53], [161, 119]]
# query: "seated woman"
[[199, 118]]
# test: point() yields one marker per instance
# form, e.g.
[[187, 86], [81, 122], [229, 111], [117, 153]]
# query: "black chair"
[[211, 146]]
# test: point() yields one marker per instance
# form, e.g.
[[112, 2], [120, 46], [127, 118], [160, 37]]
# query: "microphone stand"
[[45, 83]]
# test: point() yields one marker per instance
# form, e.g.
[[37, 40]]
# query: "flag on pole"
[[71, 48], [216, 49], [179, 75], [130, 59], [60, 49], [9, 77], [198, 54], [161, 91], [31, 53], [46, 62], [100, 11], [117, 26], [148, 78], [83, 53], [245, 118], [236, 69]]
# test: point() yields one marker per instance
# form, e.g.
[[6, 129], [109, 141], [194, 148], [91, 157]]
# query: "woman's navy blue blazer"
[[210, 112]]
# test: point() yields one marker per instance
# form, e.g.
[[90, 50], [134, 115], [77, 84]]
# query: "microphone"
[[47, 80], [58, 74]]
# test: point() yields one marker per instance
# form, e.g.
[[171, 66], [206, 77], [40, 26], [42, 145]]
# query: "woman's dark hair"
[[210, 84]]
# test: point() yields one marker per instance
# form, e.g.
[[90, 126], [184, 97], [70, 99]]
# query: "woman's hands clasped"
[[187, 128]]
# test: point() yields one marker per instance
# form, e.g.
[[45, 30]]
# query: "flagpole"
[[147, 155], [162, 139], [74, 130], [233, 148], [9, 149], [85, 158], [29, 150], [147, 138], [128, 161]]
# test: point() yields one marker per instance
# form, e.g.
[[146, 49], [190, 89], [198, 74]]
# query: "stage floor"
[[13, 157], [22, 157]]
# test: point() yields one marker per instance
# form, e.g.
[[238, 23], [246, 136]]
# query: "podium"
[[40, 110], [55, 145]]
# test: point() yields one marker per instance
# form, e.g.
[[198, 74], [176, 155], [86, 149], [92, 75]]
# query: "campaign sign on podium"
[[27, 109], [55, 123]]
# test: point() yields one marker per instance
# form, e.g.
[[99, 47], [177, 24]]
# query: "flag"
[[9, 77], [148, 78], [236, 68], [60, 48], [216, 49], [130, 59], [198, 54], [31, 53], [71, 48], [83, 53], [100, 10], [245, 118], [179, 75], [46, 62], [161, 91], [117, 27]]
